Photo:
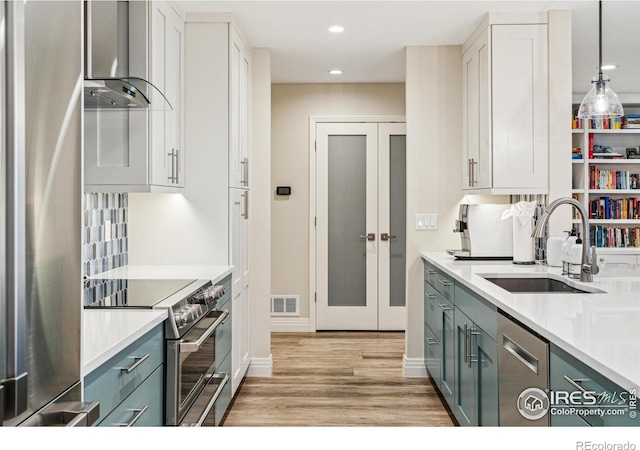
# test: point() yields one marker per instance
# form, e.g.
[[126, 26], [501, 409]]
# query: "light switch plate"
[[426, 221]]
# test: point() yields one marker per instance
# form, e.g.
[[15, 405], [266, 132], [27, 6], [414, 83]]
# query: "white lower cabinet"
[[239, 258]]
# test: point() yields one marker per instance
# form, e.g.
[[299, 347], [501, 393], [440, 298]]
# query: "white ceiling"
[[371, 50]]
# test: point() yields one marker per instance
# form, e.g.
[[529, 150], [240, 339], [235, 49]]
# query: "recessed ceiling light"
[[609, 66], [336, 29], [336, 71]]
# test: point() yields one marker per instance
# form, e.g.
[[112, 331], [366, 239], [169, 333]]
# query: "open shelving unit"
[[583, 190]]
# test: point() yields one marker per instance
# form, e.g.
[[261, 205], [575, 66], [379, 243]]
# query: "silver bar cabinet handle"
[[136, 417], [134, 366], [445, 307], [177, 167], [445, 283], [576, 383], [466, 343]]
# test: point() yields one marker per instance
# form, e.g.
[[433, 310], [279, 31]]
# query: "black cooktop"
[[125, 293]]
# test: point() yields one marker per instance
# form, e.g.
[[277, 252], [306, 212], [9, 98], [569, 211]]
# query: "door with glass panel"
[[360, 226]]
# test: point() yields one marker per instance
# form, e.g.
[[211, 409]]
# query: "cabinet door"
[[239, 258], [464, 392], [476, 123], [519, 99], [167, 74], [432, 355], [485, 361], [239, 112], [448, 343]]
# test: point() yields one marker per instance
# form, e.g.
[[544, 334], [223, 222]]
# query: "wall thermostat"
[[283, 190]]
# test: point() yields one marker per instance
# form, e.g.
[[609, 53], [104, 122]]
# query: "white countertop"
[[600, 329], [178, 272], [106, 332]]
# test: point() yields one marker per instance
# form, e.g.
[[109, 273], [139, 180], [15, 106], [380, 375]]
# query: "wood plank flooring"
[[341, 379]]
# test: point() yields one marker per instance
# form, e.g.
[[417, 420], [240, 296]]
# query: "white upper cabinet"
[[143, 150], [167, 74], [505, 109], [239, 101]]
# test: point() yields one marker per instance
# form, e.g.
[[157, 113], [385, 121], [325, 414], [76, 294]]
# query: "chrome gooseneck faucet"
[[588, 268]]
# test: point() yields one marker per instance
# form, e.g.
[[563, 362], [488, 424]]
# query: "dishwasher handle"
[[526, 358]]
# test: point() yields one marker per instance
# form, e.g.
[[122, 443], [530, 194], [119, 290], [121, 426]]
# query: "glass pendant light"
[[600, 102]]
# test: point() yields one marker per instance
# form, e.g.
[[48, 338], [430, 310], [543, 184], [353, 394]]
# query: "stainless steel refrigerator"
[[40, 211]]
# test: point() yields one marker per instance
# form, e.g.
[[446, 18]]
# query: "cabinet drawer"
[[608, 394], [481, 312], [432, 312], [223, 336], [442, 282], [433, 356], [110, 384], [224, 400], [617, 261], [143, 408]]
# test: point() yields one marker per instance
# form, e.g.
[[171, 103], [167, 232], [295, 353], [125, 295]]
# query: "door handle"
[[386, 236], [368, 236]]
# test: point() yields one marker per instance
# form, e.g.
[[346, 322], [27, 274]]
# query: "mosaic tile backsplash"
[[104, 232]]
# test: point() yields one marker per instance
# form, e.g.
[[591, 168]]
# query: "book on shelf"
[[614, 237], [606, 123], [607, 208], [613, 179]]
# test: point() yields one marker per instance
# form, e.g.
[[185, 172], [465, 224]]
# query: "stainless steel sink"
[[539, 284]]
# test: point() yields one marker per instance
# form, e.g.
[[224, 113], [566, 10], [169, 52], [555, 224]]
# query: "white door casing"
[[376, 313]]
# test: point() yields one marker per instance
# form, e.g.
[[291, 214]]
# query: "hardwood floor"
[[337, 379]]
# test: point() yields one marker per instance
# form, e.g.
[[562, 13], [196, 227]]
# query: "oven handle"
[[190, 347], [213, 400]]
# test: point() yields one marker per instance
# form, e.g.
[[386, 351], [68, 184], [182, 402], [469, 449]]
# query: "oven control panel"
[[190, 309]]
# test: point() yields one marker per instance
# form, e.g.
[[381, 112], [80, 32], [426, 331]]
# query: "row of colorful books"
[[630, 121], [613, 179], [610, 237], [608, 208]]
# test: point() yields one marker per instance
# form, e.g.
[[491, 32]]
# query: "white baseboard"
[[413, 367], [260, 367], [290, 325]]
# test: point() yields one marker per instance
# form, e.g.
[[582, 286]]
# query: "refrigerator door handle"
[[15, 384]]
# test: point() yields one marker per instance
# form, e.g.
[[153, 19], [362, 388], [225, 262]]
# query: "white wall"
[[292, 105], [434, 177], [260, 216]]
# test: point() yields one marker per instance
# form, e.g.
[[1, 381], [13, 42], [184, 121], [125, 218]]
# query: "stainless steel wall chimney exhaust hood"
[[109, 35]]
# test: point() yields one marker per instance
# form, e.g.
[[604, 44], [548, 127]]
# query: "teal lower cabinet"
[[476, 374], [130, 386], [433, 355], [460, 349], [584, 397], [439, 342], [143, 408]]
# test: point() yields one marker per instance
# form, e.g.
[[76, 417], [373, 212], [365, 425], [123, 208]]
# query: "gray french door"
[[360, 231]]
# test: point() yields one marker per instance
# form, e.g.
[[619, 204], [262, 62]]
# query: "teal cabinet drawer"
[[478, 309], [224, 400], [485, 360], [567, 373], [143, 408], [432, 310], [110, 384], [223, 336], [442, 282], [433, 356]]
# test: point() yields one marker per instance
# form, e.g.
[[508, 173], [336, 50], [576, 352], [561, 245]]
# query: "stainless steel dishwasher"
[[523, 373]]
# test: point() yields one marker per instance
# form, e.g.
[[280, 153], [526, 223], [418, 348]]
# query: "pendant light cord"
[[600, 41]]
